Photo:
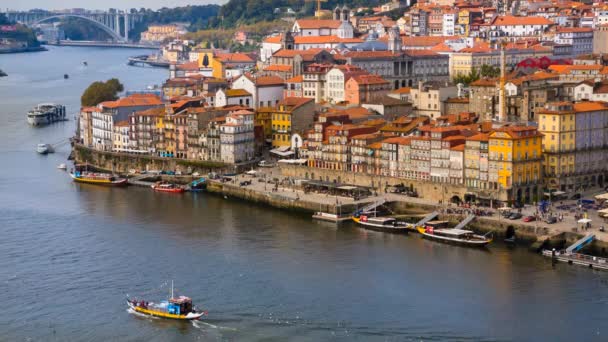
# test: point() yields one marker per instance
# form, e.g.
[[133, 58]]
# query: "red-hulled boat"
[[168, 187]]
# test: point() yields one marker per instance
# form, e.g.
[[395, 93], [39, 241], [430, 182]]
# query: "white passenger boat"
[[383, 224], [44, 148], [455, 236], [46, 113]]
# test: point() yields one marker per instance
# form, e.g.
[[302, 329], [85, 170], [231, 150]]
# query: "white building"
[[266, 91], [237, 141], [591, 91], [335, 81], [580, 38], [512, 27], [449, 23], [233, 97], [109, 112]]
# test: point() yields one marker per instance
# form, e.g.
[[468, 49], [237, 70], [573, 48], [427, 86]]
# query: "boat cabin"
[[377, 220], [455, 233], [180, 306]]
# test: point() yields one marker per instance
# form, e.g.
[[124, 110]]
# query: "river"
[[69, 253]]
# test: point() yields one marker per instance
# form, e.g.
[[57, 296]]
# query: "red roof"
[[510, 20]]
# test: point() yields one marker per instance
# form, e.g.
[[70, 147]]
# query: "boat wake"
[[139, 314], [203, 325]]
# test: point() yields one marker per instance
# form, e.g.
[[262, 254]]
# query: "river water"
[[69, 253]]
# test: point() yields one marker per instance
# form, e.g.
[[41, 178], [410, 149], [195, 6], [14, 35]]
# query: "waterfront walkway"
[[568, 224]]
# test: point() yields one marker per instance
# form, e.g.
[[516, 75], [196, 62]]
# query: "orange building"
[[365, 88]]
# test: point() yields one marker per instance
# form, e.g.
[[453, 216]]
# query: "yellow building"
[[558, 125], [573, 144], [464, 18], [515, 156], [281, 127], [224, 65], [159, 33], [292, 115], [263, 118]]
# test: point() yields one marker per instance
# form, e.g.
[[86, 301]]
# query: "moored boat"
[[179, 308], [383, 224], [455, 236], [98, 178], [168, 187], [198, 185], [46, 113]]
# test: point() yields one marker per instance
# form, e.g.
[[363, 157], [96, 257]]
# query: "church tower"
[[394, 39], [287, 41]]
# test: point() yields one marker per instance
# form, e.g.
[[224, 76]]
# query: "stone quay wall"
[[431, 191], [123, 162]]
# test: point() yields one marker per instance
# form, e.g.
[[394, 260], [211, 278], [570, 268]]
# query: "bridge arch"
[[105, 28]]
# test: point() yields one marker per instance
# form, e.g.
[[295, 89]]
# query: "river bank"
[[22, 49], [265, 189]]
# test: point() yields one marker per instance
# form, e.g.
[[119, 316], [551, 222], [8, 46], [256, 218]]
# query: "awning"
[[251, 172], [558, 193], [584, 220], [504, 208], [602, 197], [282, 151], [347, 187], [293, 161]]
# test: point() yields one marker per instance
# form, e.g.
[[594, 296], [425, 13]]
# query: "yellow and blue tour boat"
[[179, 308], [98, 178]]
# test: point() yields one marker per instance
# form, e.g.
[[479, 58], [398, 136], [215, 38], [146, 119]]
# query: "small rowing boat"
[[98, 178], [179, 308], [383, 224], [455, 236], [168, 187]]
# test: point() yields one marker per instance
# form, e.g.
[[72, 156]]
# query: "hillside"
[[238, 12]]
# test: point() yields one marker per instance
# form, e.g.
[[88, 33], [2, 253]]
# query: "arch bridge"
[[116, 24]]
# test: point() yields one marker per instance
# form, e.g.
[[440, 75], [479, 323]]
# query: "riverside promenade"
[[540, 229]]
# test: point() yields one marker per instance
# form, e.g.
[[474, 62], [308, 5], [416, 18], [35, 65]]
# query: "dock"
[[321, 216], [570, 255], [464, 222], [139, 181], [427, 218], [578, 259]]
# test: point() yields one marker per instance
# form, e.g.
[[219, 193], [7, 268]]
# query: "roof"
[[293, 53], [402, 90], [324, 40], [236, 92], [589, 106], [484, 82], [296, 79], [234, 57], [295, 102], [122, 123], [510, 20], [156, 111], [278, 67], [479, 137], [134, 101], [369, 79], [267, 81], [318, 23]]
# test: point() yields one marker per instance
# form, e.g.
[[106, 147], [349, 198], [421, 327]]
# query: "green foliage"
[[489, 71], [467, 78], [238, 12], [99, 92], [197, 16], [80, 29], [21, 34], [223, 38]]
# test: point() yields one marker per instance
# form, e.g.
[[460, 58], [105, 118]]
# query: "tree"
[[99, 92], [467, 79], [489, 71]]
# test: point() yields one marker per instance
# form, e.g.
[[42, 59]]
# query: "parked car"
[[575, 196], [529, 219], [506, 214], [551, 219], [515, 216]]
